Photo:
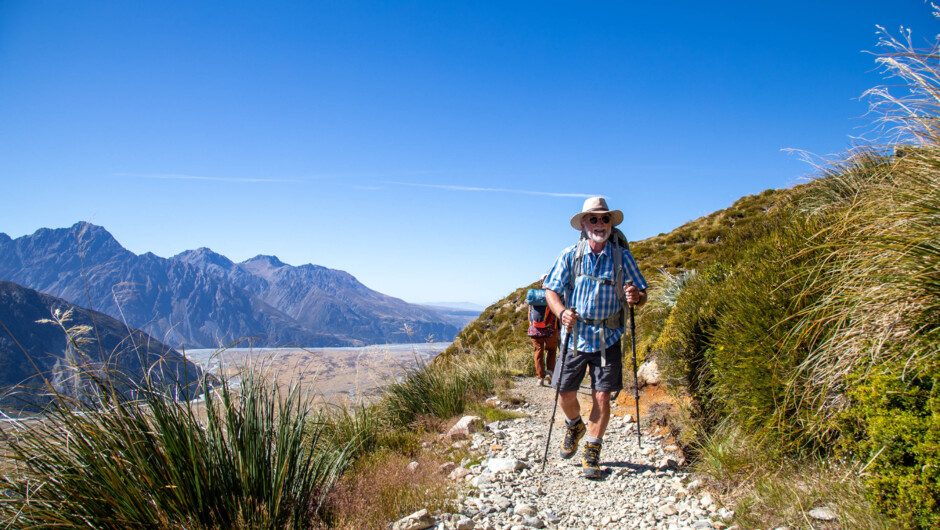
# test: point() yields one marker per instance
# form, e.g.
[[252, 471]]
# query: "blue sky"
[[434, 150]]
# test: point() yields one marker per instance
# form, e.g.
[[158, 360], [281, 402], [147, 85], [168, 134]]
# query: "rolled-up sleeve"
[[633, 271], [560, 275]]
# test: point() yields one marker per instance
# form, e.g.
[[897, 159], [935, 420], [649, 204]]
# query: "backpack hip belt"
[[612, 322]]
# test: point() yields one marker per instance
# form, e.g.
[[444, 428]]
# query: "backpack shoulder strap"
[[619, 242], [618, 272], [576, 266]]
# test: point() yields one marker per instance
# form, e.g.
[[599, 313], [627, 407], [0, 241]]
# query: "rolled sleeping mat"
[[536, 297]]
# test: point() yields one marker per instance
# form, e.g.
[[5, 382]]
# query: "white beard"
[[596, 237]]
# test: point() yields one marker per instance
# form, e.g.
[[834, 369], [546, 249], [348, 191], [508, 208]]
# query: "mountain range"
[[36, 355], [201, 299]]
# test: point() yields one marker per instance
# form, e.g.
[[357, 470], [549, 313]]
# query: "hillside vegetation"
[[802, 327]]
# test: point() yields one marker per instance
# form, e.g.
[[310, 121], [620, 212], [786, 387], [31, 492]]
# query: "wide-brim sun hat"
[[596, 205]]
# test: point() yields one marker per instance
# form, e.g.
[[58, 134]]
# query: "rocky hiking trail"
[[643, 486]]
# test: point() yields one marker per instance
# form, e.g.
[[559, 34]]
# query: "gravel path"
[[643, 487]]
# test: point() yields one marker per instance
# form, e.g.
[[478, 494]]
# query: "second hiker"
[[543, 332], [587, 289]]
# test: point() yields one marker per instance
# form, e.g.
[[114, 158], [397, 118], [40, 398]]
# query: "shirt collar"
[[604, 251]]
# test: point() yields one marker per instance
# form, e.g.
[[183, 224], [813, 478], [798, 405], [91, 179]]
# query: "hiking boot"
[[591, 461], [547, 381], [539, 381], [573, 435]]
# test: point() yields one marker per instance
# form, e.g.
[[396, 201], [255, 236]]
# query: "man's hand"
[[569, 317], [635, 297]]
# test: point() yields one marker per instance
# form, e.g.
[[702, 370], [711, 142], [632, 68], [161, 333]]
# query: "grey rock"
[[504, 465], [465, 427], [533, 522], [648, 373], [707, 499], [501, 502], [416, 521], [823, 513]]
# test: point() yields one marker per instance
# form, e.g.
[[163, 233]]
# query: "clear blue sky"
[[435, 150]]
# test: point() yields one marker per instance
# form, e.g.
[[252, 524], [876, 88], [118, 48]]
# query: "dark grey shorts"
[[608, 378]]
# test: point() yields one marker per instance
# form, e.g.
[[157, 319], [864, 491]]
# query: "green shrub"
[[894, 426], [726, 339]]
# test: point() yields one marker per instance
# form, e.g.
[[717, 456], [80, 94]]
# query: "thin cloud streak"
[[492, 190], [196, 177]]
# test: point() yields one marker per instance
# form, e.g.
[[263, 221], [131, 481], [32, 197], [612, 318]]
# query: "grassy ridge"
[[692, 246]]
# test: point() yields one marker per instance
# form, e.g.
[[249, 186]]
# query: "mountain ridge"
[[202, 299]]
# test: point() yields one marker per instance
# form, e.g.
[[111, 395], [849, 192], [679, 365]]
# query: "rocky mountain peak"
[[205, 257], [262, 265], [272, 261]]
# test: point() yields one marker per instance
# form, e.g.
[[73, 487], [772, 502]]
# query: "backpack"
[[540, 316]]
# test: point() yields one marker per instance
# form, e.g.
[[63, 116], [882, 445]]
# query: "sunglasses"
[[605, 219]]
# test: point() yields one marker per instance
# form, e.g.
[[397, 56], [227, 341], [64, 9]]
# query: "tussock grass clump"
[[246, 458], [447, 386]]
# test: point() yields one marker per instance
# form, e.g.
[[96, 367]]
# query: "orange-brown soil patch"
[[649, 395]]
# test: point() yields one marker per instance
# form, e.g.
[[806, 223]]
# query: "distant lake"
[[425, 350], [347, 373]]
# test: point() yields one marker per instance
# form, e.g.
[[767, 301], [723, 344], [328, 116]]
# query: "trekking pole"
[[636, 384], [564, 353]]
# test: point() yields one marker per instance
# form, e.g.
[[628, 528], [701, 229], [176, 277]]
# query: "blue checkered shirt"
[[591, 299]]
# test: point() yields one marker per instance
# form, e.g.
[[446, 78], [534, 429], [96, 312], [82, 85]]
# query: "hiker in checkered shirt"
[[589, 305]]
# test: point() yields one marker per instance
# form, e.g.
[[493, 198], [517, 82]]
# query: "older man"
[[587, 289]]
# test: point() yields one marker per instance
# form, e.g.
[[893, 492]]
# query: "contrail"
[[492, 190], [195, 177]]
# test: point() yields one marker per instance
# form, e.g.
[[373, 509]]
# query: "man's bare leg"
[[569, 404], [600, 414]]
